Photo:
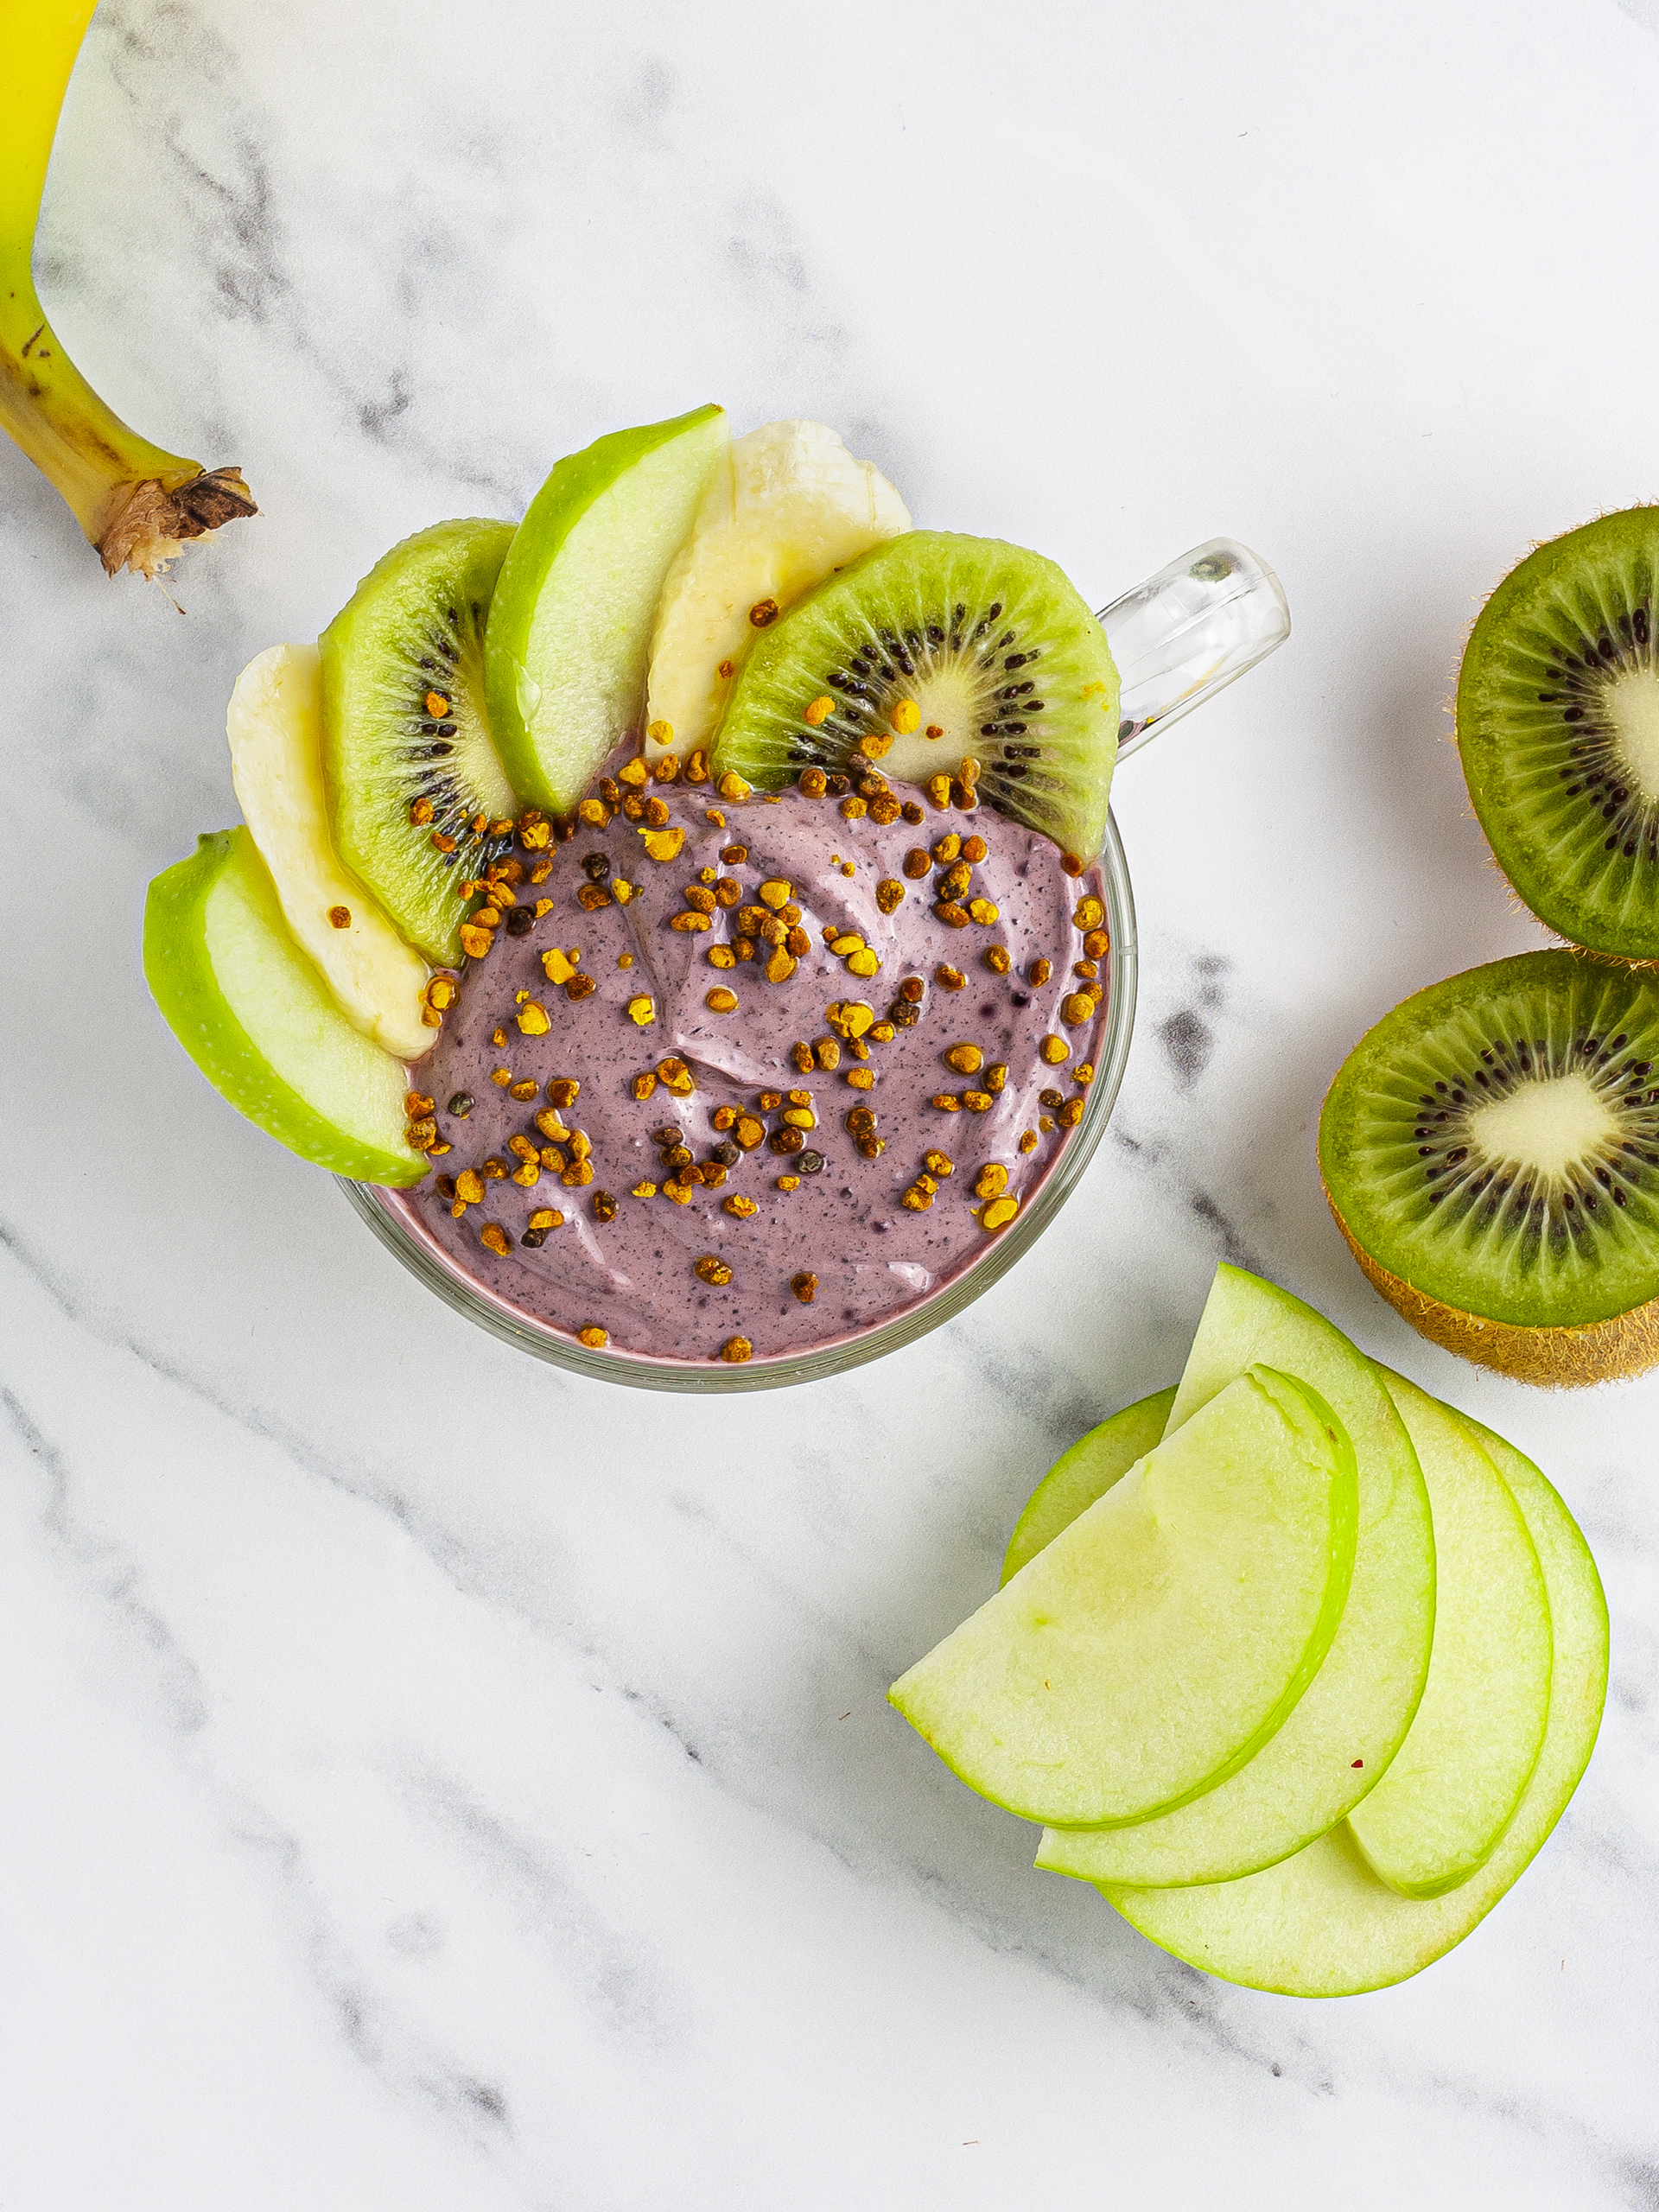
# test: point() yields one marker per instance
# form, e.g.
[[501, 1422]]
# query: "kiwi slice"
[[417, 797], [1491, 1150], [1558, 725], [929, 651]]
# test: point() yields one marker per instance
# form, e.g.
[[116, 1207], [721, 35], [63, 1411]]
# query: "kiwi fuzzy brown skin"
[[1551, 1359]]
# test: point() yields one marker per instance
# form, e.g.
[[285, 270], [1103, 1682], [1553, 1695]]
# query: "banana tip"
[[153, 524]]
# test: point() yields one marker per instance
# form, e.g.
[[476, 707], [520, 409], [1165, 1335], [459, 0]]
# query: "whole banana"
[[136, 503]]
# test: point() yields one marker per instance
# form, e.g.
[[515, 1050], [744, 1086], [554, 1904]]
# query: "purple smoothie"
[[626, 1263]]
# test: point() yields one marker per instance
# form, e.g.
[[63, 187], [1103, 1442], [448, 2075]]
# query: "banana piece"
[[275, 726], [788, 504], [136, 503]]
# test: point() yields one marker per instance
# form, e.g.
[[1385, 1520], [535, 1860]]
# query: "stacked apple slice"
[[1295, 1663]]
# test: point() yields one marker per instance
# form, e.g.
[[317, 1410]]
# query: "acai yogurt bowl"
[[757, 1087], [689, 921]]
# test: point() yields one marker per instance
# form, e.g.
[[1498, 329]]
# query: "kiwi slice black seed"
[[415, 785], [1558, 725], [1492, 1147], [927, 651]]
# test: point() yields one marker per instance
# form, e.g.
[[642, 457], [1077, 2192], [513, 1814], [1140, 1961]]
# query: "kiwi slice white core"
[[1632, 705], [1549, 1124]]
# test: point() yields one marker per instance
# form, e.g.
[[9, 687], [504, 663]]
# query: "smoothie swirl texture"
[[684, 1215]]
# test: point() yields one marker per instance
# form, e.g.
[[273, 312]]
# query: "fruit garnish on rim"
[[419, 802], [570, 625], [259, 1021], [274, 727], [750, 1033], [929, 655], [786, 506]]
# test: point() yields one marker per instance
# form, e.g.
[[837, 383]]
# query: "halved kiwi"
[[415, 785], [1490, 1150], [1558, 726], [928, 650]]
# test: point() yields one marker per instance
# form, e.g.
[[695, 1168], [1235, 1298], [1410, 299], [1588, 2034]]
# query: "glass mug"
[[1177, 639]]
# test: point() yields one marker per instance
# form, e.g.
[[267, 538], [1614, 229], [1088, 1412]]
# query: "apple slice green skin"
[[1436, 1815], [1355, 1714], [1085, 1472], [258, 1020], [1162, 1639], [569, 628], [1321, 1924]]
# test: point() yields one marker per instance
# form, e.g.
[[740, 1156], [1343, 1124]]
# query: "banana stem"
[[137, 503]]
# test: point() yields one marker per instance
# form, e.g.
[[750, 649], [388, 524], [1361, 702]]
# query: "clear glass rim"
[[639, 1371]]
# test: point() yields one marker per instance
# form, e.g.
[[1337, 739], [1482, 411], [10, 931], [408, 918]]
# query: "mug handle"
[[1186, 632]]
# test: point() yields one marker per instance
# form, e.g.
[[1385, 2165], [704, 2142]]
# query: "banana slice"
[[788, 504], [275, 726]]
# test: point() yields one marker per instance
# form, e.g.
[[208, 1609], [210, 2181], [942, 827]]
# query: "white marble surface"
[[429, 1781]]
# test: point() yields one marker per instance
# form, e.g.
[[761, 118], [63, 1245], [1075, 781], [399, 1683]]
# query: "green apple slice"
[[1085, 1472], [1437, 1813], [570, 628], [1321, 1924], [257, 1018], [1355, 1715], [1162, 1638], [274, 727]]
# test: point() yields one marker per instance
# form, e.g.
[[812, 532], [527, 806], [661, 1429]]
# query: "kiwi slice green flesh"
[[1494, 1141], [1558, 726], [985, 650], [404, 722]]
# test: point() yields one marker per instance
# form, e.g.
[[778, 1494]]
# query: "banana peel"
[[138, 503]]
